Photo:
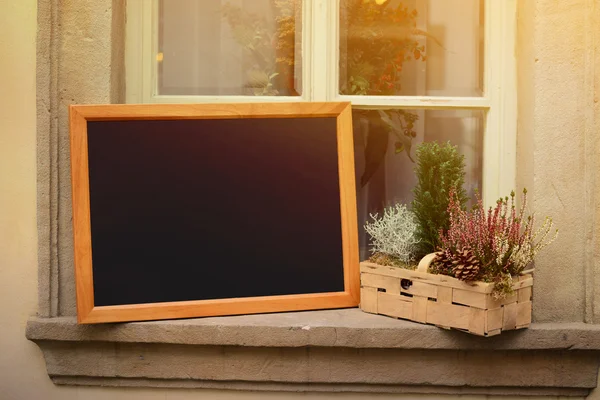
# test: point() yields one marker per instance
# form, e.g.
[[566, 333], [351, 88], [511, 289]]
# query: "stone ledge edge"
[[318, 387], [350, 328]]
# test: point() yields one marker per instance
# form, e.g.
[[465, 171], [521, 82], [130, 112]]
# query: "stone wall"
[[558, 149]]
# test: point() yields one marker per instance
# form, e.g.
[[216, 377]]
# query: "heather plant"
[[440, 169], [393, 235], [502, 239]]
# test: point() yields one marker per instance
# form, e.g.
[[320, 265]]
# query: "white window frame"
[[320, 79]]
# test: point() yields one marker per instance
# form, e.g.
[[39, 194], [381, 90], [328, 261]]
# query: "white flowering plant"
[[393, 235]]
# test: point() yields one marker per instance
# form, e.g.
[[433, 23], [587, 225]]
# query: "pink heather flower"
[[502, 238]]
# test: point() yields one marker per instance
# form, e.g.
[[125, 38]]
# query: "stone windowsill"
[[334, 350]]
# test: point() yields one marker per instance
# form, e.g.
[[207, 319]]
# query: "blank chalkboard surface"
[[197, 210]]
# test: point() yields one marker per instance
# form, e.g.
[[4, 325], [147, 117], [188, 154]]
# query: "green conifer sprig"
[[439, 168]]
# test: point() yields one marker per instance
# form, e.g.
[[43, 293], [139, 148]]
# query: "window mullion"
[[138, 53], [333, 56], [320, 66], [499, 169], [307, 53], [151, 70]]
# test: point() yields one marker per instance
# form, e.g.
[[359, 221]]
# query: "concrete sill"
[[334, 350]]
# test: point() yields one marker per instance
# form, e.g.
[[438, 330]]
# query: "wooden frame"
[[87, 312]]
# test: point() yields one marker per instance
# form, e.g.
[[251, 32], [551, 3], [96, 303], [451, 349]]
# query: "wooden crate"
[[442, 300]]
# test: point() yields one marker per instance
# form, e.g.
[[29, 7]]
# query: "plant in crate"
[[477, 279], [490, 246], [402, 235], [393, 235], [440, 169]]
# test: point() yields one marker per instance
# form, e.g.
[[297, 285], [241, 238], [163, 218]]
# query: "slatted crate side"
[[425, 284], [419, 276], [447, 303]]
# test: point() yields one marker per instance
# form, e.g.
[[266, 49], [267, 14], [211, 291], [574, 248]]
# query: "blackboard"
[[197, 210]]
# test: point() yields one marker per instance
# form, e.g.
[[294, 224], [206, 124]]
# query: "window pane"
[[385, 156], [230, 47], [411, 47]]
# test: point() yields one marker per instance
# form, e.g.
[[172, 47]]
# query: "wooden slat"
[[448, 315], [82, 233], [440, 280], [444, 294], [494, 332], [523, 314], [368, 300], [509, 319], [389, 283], [473, 299], [477, 321], [419, 309], [347, 185], [421, 289], [480, 300], [210, 111], [211, 308], [524, 294], [494, 319], [394, 306], [369, 267]]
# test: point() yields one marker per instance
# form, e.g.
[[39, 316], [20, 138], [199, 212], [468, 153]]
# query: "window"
[[414, 70]]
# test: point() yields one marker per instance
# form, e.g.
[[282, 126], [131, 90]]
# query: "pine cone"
[[461, 264], [442, 263], [465, 265]]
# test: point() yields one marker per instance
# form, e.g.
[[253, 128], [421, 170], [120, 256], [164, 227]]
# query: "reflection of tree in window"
[[269, 49], [377, 38]]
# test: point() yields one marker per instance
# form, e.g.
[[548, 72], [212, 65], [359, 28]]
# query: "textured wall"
[[18, 279], [558, 149], [88, 60], [593, 283]]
